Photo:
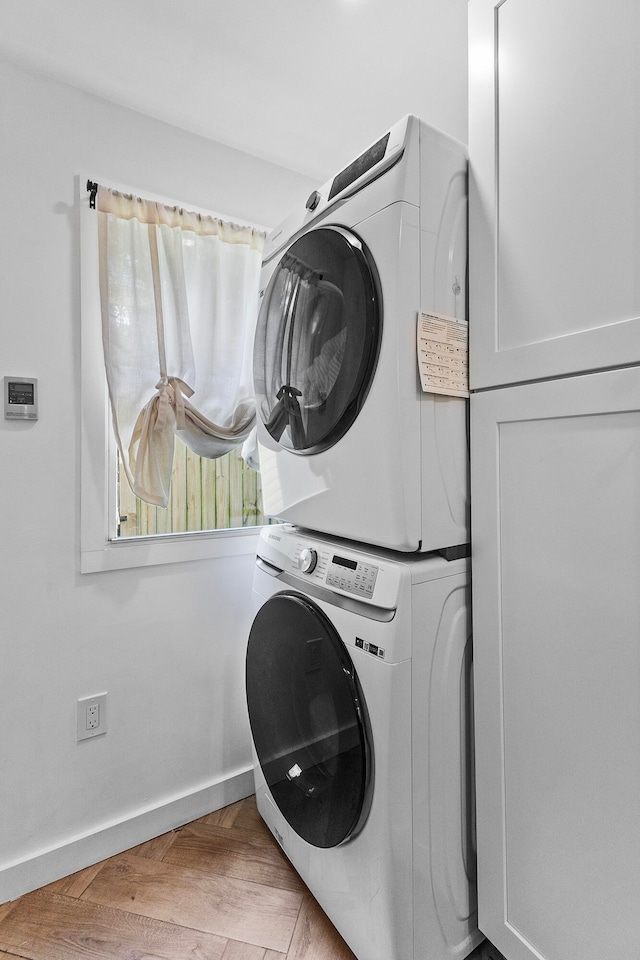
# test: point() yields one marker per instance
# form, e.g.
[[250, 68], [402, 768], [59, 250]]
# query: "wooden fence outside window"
[[205, 495]]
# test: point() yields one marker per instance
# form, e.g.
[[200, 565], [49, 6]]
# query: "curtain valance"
[[126, 206]]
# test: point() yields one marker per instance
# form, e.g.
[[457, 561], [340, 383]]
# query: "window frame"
[[99, 548]]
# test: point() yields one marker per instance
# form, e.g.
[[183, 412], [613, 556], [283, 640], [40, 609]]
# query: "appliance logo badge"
[[371, 648]]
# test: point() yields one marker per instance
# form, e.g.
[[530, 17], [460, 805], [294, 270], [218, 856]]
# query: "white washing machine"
[[348, 442], [358, 689]]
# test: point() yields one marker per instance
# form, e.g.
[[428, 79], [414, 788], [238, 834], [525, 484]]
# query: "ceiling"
[[306, 84]]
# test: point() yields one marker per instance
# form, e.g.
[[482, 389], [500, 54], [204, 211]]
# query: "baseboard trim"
[[105, 841]]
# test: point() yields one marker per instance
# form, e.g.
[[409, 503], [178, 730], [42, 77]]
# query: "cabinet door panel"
[[556, 616], [554, 138]]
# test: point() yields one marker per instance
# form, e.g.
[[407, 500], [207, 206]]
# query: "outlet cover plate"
[[92, 716]]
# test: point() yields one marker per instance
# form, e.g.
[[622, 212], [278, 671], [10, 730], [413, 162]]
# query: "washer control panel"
[[345, 573], [352, 575], [372, 578]]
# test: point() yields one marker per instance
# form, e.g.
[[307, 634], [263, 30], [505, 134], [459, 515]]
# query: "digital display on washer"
[[364, 162], [342, 562]]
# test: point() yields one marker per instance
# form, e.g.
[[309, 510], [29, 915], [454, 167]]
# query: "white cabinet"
[[554, 140], [554, 295], [556, 601]]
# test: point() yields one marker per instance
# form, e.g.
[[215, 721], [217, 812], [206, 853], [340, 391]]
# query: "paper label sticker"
[[443, 354]]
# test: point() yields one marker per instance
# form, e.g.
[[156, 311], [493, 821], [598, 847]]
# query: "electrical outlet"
[[92, 716]]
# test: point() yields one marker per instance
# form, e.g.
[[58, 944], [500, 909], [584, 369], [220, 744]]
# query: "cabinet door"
[[556, 617], [554, 142]]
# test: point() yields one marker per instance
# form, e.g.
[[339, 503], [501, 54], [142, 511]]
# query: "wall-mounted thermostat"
[[20, 398]]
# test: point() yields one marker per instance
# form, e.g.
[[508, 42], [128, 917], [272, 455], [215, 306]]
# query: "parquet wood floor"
[[216, 889]]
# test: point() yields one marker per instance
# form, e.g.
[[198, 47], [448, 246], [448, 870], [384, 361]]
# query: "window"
[[214, 506]]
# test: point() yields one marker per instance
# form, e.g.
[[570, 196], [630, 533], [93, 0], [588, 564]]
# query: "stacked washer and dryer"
[[359, 670]]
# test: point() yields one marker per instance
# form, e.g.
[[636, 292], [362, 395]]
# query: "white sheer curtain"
[[179, 296]]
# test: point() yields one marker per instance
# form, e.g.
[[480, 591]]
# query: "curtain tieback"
[[171, 393]]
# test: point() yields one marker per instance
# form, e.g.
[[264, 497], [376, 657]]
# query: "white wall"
[[167, 642]]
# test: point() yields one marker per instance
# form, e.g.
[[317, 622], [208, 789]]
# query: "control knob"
[[308, 560], [314, 200]]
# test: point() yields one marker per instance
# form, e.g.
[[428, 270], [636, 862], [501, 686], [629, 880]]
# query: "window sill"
[[173, 548]]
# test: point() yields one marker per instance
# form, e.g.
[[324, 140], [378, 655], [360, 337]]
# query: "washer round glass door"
[[317, 339], [308, 720]]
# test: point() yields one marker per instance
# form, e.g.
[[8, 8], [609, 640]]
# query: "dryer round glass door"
[[317, 339], [308, 720]]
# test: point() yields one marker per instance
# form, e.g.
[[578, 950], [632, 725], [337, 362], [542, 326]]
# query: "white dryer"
[[358, 683], [348, 443]]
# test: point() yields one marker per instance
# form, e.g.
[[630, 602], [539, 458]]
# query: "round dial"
[[308, 560]]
